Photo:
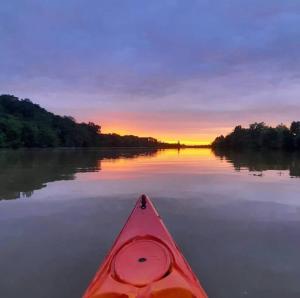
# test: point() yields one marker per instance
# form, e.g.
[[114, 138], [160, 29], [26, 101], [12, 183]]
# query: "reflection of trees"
[[263, 160], [23, 171]]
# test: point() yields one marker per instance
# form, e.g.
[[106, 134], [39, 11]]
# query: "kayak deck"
[[145, 262]]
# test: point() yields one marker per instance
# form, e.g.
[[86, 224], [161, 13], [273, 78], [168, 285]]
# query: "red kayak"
[[145, 262]]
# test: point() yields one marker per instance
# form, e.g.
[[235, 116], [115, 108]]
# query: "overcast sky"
[[188, 70]]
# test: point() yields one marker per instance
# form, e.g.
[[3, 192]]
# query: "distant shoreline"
[[24, 124], [109, 147]]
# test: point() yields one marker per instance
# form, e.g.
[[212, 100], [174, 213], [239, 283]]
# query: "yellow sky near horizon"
[[187, 138]]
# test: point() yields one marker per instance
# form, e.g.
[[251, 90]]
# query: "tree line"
[[25, 124], [261, 136]]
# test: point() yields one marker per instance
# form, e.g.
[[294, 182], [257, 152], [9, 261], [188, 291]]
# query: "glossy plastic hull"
[[145, 262]]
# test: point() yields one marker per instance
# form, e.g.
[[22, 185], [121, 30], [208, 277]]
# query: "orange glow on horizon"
[[189, 141], [186, 139], [164, 130]]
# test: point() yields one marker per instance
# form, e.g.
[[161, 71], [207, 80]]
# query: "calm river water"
[[235, 216]]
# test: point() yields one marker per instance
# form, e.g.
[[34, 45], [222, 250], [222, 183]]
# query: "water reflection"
[[24, 171], [221, 215], [117, 170], [260, 161]]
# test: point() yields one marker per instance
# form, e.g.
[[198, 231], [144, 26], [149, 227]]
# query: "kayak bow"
[[145, 262]]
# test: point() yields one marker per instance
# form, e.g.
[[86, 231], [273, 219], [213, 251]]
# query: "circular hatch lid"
[[141, 262]]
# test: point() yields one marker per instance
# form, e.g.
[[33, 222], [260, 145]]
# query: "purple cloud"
[[213, 59]]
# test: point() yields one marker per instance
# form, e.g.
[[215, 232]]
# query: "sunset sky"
[[183, 70]]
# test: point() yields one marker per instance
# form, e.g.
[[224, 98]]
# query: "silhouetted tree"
[[25, 124], [259, 136]]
